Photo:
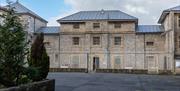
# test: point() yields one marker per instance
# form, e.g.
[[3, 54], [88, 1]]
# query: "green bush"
[[39, 58]]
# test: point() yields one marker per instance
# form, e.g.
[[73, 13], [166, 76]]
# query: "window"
[[117, 25], [75, 40], [76, 26], [117, 62], [117, 40], [75, 62], [148, 59], [177, 63], [96, 40], [47, 44], [149, 62], [96, 25], [150, 43], [56, 58]]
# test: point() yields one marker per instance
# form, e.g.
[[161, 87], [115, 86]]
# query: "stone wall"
[[46, 85], [104, 27], [52, 49], [133, 51], [32, 23]]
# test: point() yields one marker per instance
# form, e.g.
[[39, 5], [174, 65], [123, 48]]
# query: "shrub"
[[39, 58]]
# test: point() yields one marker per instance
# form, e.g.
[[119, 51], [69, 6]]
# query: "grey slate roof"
[[140, 29], [99, 15], [150, 29], [167, 11], [19, 8], [174, 8], [49, 30]]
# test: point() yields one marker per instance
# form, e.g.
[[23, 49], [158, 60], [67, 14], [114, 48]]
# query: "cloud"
[[136, 9], [148, 11], [53, 20]]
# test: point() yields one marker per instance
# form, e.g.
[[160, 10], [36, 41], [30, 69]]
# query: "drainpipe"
[[87, 62], [144, 51], [108, 52], [59, 51]]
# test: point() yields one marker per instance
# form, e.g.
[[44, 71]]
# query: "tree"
[[13, 49], [39, 58]]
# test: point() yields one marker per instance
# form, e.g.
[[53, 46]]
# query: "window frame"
[[117, 25], [116, 43], [149, 43], [96, 25], [47, 44], [56, 57], [75, 61], [148, 58], [96, 40], [76, 26], [76, 41]]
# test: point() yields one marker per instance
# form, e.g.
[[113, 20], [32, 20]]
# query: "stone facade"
[[31, 24], [133, 53], [30, 21]]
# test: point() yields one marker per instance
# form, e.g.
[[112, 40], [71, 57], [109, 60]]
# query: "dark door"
[[95, 63]]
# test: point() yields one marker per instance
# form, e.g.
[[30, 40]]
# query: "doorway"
[[95, 63]]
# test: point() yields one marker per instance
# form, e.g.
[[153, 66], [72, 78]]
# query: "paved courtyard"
[[114, 82]]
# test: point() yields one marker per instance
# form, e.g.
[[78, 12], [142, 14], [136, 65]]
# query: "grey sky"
[[148, 11]]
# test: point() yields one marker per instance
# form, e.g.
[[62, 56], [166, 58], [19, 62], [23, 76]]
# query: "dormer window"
[[96, 25], [76, 26]]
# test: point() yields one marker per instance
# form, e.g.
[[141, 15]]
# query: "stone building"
[[30, 20], [109, 39]]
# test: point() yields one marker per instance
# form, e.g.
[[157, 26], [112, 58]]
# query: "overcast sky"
[[148, 11]]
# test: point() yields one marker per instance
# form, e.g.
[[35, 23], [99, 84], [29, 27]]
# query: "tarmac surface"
[[114, 82]]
